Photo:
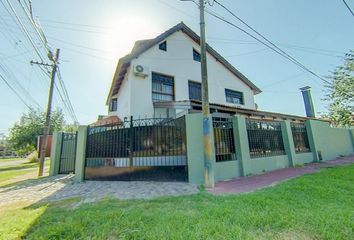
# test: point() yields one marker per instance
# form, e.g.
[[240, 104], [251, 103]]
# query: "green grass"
[[314, 206], [11, 171], [9, 159]]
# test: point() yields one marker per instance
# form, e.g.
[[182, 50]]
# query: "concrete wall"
[[227, 170], [302, 158], [177, 62], [331, 142], [266, 164]]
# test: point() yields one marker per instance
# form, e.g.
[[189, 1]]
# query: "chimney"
[[306, 94]]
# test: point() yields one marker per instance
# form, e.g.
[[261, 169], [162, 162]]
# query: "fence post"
[[80, 154], [241, 142], [195, 157], [288, 142], [131, 141], [55, 153], [310, 135]]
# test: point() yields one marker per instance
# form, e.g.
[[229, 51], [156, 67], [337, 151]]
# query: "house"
[[161, 78]]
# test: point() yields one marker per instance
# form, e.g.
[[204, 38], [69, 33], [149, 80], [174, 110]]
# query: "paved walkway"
[[251, 183], [63, 187]]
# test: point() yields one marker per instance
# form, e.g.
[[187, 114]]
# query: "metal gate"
[[142, 149], [67, 153]]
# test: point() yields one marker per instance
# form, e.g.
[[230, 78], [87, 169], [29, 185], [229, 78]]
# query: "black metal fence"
[[264, 138], [301, 141], [141, 149], [225, 149], [68, 153]]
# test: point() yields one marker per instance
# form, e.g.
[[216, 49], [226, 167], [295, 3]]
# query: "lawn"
[[12, 170], [314, 206], [9, 159]]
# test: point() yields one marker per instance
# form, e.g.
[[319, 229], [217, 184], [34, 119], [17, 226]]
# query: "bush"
[[33, 157]]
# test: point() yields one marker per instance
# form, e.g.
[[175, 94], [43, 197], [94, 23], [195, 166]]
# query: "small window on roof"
[[163, 46], [196, 55]]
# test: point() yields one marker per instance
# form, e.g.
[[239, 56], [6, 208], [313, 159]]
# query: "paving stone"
[[63, 187]]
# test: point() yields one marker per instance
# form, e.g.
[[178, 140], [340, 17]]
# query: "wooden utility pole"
[[43, 148], [207, 125]]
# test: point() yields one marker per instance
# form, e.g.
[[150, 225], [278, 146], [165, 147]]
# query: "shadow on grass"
[[22, 166]]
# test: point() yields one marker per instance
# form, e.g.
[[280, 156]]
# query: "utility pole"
[[207, 125], [43, 147]]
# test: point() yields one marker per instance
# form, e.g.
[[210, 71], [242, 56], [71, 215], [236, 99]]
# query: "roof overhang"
[[196, 106]]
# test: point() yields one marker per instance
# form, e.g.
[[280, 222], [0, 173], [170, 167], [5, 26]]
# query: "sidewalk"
[[251, 183]]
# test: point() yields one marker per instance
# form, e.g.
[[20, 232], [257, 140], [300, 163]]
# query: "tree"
[[23, 135], [340, 93]]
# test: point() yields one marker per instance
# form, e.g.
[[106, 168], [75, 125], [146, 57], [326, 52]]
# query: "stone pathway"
[[62, 187], [251, 183]]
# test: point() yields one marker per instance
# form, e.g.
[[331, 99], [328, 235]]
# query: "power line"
[[17, 94], [66, 96], [22, 27], [269, 44], [350, 10], [10, 74]]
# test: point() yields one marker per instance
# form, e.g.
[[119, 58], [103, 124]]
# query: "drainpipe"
[[306, 94]]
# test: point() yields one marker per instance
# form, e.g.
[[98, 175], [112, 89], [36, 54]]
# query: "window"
[[162, 87], [163, 46], [114, 105], [195, 90], [196, 55], [234, 96]]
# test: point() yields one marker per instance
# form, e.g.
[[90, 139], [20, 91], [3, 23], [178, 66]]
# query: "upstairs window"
[[195, 90], [196, 55], [234, 96], [114, 105], [163, 46], [162, 87]]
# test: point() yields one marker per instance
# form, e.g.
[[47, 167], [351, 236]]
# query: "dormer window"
[[196, 55], [163, 46]]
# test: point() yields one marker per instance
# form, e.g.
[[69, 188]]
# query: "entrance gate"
[[67, 153], [143, 149]]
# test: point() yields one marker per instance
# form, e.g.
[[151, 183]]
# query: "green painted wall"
[[55, 153], [259, 165], [195, 157], [332, 142], [80, 154], [302, 158], [227, 170]]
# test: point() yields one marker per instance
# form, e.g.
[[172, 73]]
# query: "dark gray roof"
[[143, 45]]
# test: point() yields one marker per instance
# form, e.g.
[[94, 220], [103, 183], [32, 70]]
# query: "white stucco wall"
[[123, 99], [178, 62]]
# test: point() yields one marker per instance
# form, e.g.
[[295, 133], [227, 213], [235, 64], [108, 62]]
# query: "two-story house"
[[161, 78]]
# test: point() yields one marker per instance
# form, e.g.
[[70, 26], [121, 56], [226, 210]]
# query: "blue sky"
[[93, 35]]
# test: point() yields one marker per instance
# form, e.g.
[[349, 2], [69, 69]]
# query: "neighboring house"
[[161, 78]]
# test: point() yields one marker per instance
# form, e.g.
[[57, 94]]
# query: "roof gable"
[[143, 45]]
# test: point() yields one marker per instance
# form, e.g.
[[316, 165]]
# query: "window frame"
[[196, 53], [163, 46], [111, 105], [230, 91], [189, 90], [161, 92]]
